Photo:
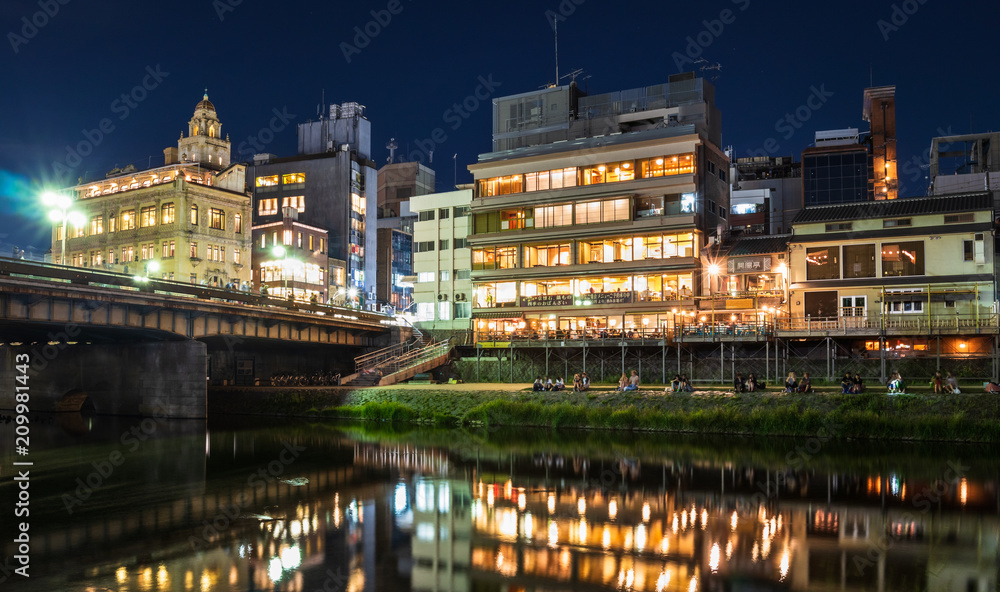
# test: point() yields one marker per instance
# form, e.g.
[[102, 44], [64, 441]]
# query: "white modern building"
[[442, 262]]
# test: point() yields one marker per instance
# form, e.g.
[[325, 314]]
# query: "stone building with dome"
[[191, 216]]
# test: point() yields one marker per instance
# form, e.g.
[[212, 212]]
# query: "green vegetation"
[[973, 417]]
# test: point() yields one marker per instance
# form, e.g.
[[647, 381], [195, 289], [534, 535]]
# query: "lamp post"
[[713, 271], [60, 204]]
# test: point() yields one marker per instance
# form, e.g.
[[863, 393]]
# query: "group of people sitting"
[[851, 384], [548, 385], [581, 382], [628, 383], [747, 384], [680, 384], [946, 385], [794, 385]]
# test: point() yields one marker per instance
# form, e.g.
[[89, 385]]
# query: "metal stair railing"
[[373, 359], [414, 357]]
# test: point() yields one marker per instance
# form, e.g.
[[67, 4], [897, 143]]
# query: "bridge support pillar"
[[165, 379]]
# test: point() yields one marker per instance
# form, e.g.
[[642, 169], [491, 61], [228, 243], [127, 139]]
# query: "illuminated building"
[[191, 216], [299, 267], [590, 214], [328, 183]]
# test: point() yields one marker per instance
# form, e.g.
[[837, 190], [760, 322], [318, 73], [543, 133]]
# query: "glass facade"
[[835, 178]]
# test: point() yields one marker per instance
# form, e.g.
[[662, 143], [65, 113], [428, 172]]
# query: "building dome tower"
[[204, 143]]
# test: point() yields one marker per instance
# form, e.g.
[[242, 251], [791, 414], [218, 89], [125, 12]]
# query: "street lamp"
[[713, 272], [60, 214], [281, 252]]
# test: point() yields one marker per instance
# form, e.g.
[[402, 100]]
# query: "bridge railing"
[[415, 357], [64, 274]]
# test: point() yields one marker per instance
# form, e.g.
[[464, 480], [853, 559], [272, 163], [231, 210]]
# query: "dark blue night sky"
[[257, 59]]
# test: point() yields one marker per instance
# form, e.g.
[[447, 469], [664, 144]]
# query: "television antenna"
[[706, 65]]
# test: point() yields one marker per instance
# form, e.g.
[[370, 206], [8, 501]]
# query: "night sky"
[[67, 72]]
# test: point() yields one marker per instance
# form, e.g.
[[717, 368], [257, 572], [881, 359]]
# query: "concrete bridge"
[[150, 347]]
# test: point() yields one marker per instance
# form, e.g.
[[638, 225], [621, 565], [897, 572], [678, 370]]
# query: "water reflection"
[[301, 509]]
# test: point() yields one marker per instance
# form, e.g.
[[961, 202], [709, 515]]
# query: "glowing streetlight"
[[280, 252], [60, 214]]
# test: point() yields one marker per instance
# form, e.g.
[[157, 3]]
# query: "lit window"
[[193, 250], [167, 214], [97, 225], [268, 181], [237, 257], [128, 220], [217, 219], [147, 217], [268, 206], [298, 202], [194, 215], [238, 223], [292, 178]]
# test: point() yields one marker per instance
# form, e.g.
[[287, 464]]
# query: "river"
[[134, 505]]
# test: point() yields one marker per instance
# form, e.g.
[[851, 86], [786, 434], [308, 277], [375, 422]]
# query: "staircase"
[[398, 362]]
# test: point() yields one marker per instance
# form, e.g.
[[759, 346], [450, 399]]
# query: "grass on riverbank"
[[921, 416], [967, 417]]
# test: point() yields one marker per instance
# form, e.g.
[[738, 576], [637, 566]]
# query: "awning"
[[497, 315]]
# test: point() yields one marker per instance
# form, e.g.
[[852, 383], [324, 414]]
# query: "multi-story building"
[[837, 169], [767, 194], [879, 111], [328, 184], [441, 261], [291, 259], [590, 215], [908, 275], [191, 216], [399, 181]]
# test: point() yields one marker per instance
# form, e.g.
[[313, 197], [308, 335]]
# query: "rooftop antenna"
[[706, 65], [322, 105], [555, 27], [572, 75], [455, 159], [392, 145]]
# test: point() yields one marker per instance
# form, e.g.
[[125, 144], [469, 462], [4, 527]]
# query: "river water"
[[130, 505]]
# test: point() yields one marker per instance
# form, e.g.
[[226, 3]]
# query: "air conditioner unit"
[[460, 297], [442, 297]]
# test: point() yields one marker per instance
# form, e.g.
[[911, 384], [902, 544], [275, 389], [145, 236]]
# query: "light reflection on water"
[[358, 512]]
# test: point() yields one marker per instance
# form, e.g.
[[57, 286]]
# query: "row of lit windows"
[[276, 271], [301, 241], [898, 259], [609, 172], [608, 250], [147, 218], [639, 288], [269, 206], [272, 180]]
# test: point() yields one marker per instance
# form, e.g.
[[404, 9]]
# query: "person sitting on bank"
[[686, 384], [622, 382], [896, 384], [951, 384], [585, 381], [548, 383], [739, 385], [538, 386], [633, 382], [675, 384], [751, 383], [560, 384], [577, 383], [791, 383], [846, 384], [937, 383], [857, 385], [806, 385]]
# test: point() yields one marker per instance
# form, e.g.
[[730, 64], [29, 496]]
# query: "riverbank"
[[969, 417]]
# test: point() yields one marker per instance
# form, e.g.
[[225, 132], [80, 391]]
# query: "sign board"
[[549, 300], [610, 297], [749, 264]]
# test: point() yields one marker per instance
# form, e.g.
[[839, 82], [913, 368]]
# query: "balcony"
[[575, 338], [719, 332], [889, 325]]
